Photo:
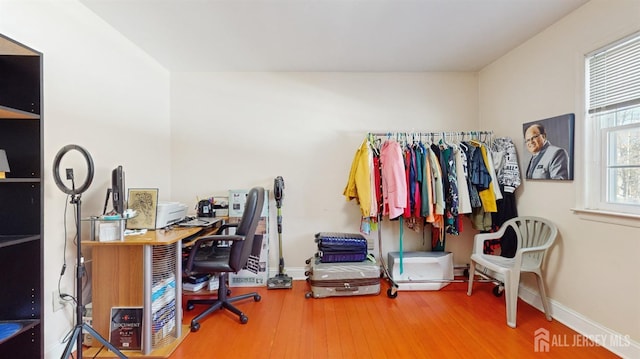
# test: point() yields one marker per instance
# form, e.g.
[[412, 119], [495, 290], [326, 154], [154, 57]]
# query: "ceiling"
[[329, 35]]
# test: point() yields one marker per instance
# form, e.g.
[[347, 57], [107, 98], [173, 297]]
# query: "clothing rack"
[[476, 135], [413, 136]]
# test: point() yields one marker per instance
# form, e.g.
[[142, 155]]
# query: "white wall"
[[238, 130], [593, 268], [104, 94]]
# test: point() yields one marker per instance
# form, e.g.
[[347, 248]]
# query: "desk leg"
[[178, 315], [172, 254], [147, 311]]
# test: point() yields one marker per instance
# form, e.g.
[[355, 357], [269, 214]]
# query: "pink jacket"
[[394, 182]]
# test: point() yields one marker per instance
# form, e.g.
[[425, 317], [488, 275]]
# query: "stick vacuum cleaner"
[[281, 280]]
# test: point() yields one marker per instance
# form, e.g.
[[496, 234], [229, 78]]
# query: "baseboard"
[[297, 273], [613, 341]]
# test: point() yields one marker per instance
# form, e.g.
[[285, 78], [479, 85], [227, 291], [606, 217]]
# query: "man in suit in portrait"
[[548, 161]]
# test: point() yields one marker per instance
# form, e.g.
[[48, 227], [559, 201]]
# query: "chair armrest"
[[217, 238], [532, 250], [203, 243], [226, 226], [480, 238]]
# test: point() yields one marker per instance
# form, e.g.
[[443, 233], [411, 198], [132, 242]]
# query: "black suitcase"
[[341, 247]]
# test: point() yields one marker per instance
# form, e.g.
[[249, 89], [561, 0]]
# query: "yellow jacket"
[[359, 183], [487, 196]]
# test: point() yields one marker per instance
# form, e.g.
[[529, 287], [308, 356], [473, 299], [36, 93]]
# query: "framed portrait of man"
[[548, 148]]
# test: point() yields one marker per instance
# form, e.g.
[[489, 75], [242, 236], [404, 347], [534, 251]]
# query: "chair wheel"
[[497, 291], [391, 293], [308, 295], [190, 306], [195, 327], [243, 319], [257, 297]]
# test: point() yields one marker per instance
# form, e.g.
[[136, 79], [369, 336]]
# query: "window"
[[613, 127]]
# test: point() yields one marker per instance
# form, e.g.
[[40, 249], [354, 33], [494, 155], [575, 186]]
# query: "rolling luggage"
[[342, 279], [341, 247]]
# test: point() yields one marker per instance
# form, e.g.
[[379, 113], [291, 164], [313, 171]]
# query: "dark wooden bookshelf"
[[21, 202]]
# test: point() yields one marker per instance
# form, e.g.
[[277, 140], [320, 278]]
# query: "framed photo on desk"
[[145, 202], [125, 330]]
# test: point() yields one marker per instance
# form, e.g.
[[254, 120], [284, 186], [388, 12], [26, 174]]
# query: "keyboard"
[[200, 222]]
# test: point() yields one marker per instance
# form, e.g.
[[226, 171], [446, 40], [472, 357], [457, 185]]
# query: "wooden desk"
[[127, 273]]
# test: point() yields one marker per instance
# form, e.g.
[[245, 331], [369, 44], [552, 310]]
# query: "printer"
[[169, 213]]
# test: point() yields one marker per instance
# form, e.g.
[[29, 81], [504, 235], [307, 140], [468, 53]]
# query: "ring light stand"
[[76, 194]]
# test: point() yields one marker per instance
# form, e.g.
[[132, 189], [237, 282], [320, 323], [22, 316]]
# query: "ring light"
[[80, 267], [56, 170]]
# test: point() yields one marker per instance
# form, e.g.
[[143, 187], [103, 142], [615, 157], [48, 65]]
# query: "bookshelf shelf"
[[11, 240], [13, 328], [20, 180], [15, 114]]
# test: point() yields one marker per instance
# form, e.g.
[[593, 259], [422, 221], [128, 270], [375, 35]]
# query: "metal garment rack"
[[413, 136], [419, 135]]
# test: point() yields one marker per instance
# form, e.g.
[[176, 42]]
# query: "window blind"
[[614, 76]]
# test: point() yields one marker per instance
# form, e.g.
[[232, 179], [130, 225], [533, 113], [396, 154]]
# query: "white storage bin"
[[421, 270]]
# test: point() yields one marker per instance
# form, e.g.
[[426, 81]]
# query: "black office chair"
[[221, 254]]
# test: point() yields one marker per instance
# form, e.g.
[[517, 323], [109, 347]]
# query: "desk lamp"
[[4, 164]]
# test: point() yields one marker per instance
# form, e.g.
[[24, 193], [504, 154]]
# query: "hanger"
[[374, 144], [443, 140], [475, 139], [461, 142]]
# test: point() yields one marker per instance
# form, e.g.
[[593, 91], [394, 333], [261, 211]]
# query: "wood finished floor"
[[425, 324]]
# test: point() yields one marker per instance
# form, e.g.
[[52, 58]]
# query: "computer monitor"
[[118, 190]]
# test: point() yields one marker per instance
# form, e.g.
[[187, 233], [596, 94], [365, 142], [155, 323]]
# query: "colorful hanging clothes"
[[373, 201], [487, 194], [505, 161], [471, 175], [377, 180], [508, 174], [427, 201], [438, 181], [464, 200], [492, 172], [418, 163], [408, 176], [439, 208], [451, 187], [435, 184]]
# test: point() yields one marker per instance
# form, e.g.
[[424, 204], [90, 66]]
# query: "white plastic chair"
[[534, 236]]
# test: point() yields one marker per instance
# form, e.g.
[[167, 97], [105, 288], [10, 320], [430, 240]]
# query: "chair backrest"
[[240, 250], [533, 233]]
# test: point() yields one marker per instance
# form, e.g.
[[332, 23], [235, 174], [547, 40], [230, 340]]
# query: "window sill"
[[622, 219]]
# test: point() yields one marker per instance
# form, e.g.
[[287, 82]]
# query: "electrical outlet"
[[58, 303]]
